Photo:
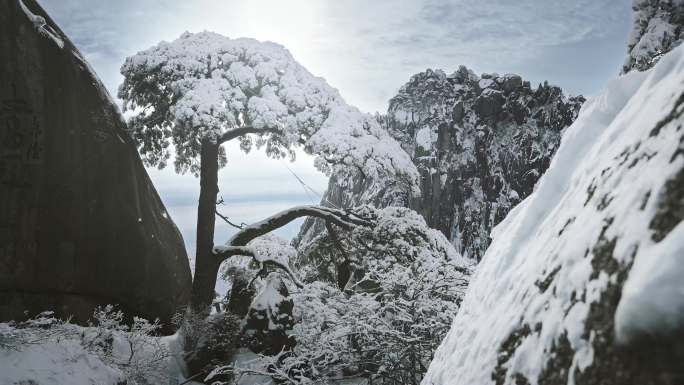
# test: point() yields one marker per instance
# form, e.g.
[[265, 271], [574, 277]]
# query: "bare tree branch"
[[344, 219], [225, 219], [237, 245]]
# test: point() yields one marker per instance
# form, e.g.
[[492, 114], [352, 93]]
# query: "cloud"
[[390, 40], [252, 186], [367, 49]]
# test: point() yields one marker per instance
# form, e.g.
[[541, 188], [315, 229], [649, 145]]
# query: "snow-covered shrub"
[[405, 287], [134, 352], [134, 349], [36, 330], [208, 341], [239, 276]]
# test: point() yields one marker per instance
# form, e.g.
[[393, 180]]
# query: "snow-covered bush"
[[208, 341], [405, 287], [269, 320], [133, 352], [134, 349], [36, 330]]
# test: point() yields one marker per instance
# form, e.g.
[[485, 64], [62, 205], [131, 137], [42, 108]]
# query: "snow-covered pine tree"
[[202, 90]]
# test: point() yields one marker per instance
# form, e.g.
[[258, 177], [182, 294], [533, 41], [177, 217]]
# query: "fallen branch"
[[237, 245]]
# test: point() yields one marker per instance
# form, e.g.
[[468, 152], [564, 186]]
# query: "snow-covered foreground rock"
[[55, 363], [582, 283], [48, 351]]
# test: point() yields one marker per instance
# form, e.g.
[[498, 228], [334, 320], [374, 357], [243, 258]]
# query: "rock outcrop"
[[582, 283], [480, 144], [658, 27], [81, 224]]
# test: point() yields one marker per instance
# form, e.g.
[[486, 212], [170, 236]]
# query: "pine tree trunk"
[[206, 263]]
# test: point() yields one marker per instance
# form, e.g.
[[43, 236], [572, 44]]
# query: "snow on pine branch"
[[207, 86], [343, 218], [352, 140], [256, 242], [268, 249]]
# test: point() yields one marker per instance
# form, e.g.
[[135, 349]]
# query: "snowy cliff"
[[480, 144], [657, 29], [582, 282]]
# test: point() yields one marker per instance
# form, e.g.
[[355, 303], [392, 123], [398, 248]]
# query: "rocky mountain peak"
[[480, 143]]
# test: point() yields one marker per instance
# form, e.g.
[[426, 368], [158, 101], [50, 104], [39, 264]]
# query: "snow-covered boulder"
[[80, 221], [582, 283], [269, 321]]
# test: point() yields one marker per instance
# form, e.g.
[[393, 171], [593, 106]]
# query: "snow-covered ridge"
[[602, 228]]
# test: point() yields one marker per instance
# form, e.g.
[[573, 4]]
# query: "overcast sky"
[[365, 48]]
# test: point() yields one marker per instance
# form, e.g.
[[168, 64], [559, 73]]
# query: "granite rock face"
[[480, 144], [81, 224]]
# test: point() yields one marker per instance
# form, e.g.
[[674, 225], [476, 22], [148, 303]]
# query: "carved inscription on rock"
[[20, 142]]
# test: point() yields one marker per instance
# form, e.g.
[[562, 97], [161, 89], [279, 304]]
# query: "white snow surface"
[[271, 247], [551, 237], [426, 137], [47, 351], [55, 363]]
